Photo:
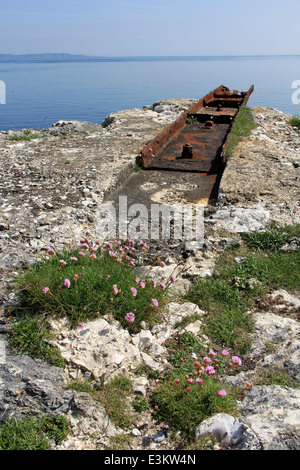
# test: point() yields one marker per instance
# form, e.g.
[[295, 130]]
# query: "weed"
[[31, 335], [25, 137], [294, 122], [33, 434], [234, 287], [241, 128]]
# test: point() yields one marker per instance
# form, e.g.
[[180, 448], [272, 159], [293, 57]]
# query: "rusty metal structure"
[[197, 140]]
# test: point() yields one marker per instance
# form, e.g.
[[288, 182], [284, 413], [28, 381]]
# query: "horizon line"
[[142, 56]]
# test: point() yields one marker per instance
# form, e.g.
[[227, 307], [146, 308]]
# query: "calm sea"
[[41, 92]]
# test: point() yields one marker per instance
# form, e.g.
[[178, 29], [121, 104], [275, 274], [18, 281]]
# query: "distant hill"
[[47, 56]]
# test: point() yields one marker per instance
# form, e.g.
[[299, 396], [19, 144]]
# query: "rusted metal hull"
[[197, 140]]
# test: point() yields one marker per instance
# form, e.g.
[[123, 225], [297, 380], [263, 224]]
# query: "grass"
[[113, 396], [33, 433], [233, 289], [27, 136], [192, 394], [294, 122], [31, 335], [88, 281], [242, 127]]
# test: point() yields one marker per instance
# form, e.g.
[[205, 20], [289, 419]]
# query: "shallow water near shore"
[[41, 92]]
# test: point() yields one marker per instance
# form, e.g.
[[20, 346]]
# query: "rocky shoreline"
[[51, 187]]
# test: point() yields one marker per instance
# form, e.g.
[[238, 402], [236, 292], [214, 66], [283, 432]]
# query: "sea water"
[[36, 93]]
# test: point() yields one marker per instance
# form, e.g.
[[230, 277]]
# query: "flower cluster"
[[207, 369], [136, 296]]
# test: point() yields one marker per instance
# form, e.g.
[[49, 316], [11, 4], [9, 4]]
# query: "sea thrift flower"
[[47, 248], [222, 393], [46, 290], [153, 282], [177, 381], [211, 353], [199, 381], [206, 360], [73, 258], [225, 353], [130, 317], [173, 278], [133, 291], [163, 286], [132, 263], [67, 283], [142, 285], [80, 253], [137, 280], [190, 381], [210, 370], [162, 264], [85, 246], [236, 360], [81, 325], [51, 252], [188, 389], [93, 256], [155, 302], [115, 289], [62, 262]]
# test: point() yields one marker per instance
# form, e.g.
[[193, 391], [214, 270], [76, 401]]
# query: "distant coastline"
[[66, 57]]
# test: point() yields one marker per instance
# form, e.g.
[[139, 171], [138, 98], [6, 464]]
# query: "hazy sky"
[[155, 27]]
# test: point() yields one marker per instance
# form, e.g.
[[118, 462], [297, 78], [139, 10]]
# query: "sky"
[[123, 28]]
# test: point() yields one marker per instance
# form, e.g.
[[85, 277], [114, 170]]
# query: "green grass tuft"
[[242, 127]]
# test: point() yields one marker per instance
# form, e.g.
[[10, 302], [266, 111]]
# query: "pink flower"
[[80, 253], [51, 252], [85, 246], [225, 352], [155, 302], [207, 360], [211, 353], [177, 381], [81, 325], [163, 286], [93, 256], [222, 393], [162, 264], [62, 262], [142, 285], [137, 280], [46, 290], [153, 282], [132, 263], [133, 291], [115, 289], [210, 370], [236, 360], [173, 278], [199, 381], [67, 283], [188, 389], [130, 317], [190, 381], [73, 258]]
